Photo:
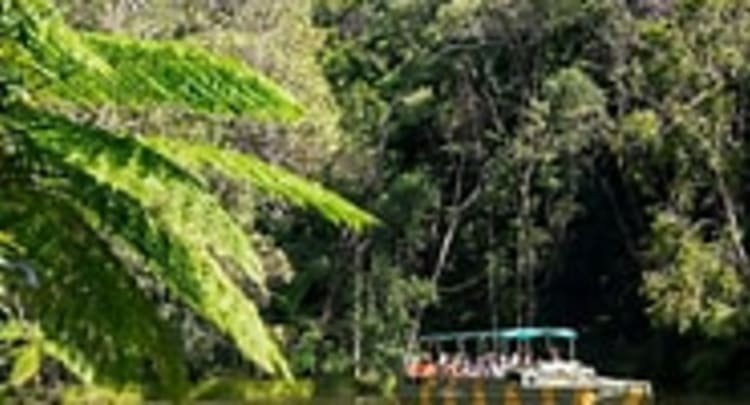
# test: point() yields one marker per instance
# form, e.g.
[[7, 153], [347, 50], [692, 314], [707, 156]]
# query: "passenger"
[[443, 363], [429, 370], [460, 364], [498, 367], [493, 366], [468, 370], [411, 366], [489, 365], [503, 359], [515, 359], [485, 365], [528, 359], [554, 354], [453, 366], [479, 366], [443, 358]]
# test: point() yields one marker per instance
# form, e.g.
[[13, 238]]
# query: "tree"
[[592, 151], [262, 33], [696, 106], [103, 218], [479, 115]]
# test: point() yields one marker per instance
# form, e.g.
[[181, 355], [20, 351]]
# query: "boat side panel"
[[495, 392]]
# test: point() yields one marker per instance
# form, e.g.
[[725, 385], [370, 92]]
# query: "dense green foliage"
[[566, 162], [542, 162], [263, 33], [98, 222]]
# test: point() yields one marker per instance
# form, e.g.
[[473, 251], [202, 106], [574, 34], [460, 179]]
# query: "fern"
[[92, 213], [173, 73], [62, 66], [6, 247], [195, 157], [173, 197], [76, 275]]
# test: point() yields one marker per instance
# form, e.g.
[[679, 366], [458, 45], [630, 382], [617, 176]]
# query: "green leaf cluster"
[[105, 220]]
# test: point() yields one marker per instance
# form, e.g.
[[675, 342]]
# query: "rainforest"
[[277, 200]]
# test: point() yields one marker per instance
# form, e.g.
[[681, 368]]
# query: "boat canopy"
[[504, 334], [534, 333]]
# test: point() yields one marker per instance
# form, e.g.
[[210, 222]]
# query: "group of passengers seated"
[[488, 365]]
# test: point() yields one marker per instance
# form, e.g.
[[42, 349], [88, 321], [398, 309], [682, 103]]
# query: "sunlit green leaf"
[[76, 274], [26, 365], [268, 178]]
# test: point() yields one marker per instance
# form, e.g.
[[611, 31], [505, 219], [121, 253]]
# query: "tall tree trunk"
[[524, 270], [491, 285]]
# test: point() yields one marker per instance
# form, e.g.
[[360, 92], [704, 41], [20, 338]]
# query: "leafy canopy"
[[92, 222]]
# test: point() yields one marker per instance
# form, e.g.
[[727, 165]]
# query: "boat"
[[504, 367]]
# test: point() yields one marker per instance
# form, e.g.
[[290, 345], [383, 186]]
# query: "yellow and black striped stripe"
[[494, 392]]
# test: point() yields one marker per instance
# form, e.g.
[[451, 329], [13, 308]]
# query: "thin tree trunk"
[[730, 209], [735, 232], [524, 271], [358, 269], [357, 319], [491, 285], [455, 213]]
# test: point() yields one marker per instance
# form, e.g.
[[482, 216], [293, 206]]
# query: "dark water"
[[701, 400]]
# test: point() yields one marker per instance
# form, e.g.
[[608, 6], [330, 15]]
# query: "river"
[[671, 400]]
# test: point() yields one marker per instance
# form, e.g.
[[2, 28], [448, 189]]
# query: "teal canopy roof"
[[534, 333], [503, 334]]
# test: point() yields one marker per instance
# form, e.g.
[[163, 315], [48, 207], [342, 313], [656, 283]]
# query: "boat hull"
[[477, 391]]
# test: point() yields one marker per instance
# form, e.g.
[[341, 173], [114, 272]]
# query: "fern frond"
[[92, 201], [172, 196], [27, 364], [6, 244], [192, 274], [83, 299], [180, 74], [5, 239], [59, 64], [268, 178], [138, 195], [8, 249], [38, 49]]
